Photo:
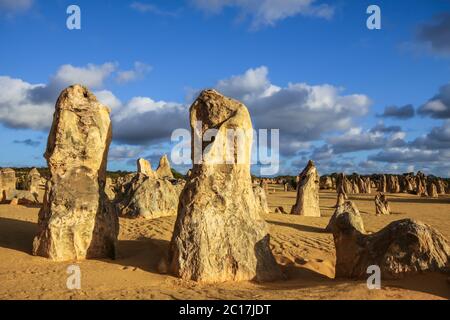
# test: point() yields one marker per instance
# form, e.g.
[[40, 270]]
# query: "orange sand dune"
[[305, 253]]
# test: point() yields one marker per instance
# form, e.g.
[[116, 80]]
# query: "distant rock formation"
[[149, 197], [7, 180], [403, 247], [354, 215], [164, 170], [432, 190], [261, 199], [144, 167], [326, 183], [219, 234], [307, 202], [77, 220], [382, 205], [34, 182], [341, 198]]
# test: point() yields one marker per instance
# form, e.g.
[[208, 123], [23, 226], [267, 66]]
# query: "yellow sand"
[[305, 253]]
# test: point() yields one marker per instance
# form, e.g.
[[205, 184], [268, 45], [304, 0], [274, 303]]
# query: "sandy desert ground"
[[304, 251]]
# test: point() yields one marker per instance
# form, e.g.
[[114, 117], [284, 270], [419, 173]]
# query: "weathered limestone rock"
[[24, 197], [351, 209], [110, 189], [381, 204], [393, 185], [280, 210], [77, 220], [368, 185], [421, 185], [403, 247], [7, 179], [343, 184], [14, 202], [164, 170], [219, 234], [261, 199], [382, 184], [307, 203], [144, 167], [432, 190], [341, 198], [326, 183], [34, 181], [149, 198]]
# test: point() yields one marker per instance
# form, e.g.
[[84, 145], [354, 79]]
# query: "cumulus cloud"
[[401, 113], [267, 12], [436, 34], [438, 107], [108, 98], [143, 120], [26, 105], [438, 138], [138, 72], [302, 112], [18, 110]]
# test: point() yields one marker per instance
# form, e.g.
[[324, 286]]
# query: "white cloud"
[[267, 12], [93, 76], [143, 120], [25, 105], [108, 98], [138, 72], [17, 110], [303, 112]]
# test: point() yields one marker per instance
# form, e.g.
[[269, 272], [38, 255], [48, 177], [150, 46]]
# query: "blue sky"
[[310, 68]]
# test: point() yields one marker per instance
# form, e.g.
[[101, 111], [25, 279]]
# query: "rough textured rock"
[[401, 248], [307, 202], [354, 215], [326, 183], [7, 179], [261, 199], [149, 197], [382, 205], [421, 185], [393, 185], [24, 197], [432, 190], [343, 184], [164, 170], [110, 189], [280, 210], [144, 167], [219, 234], [382, 184], [341, 198], [77, 220], [34, 182]]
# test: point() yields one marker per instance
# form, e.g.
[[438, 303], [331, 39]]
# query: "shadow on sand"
[[146, 253], [17, 234], [298, 226], [143, 253]]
